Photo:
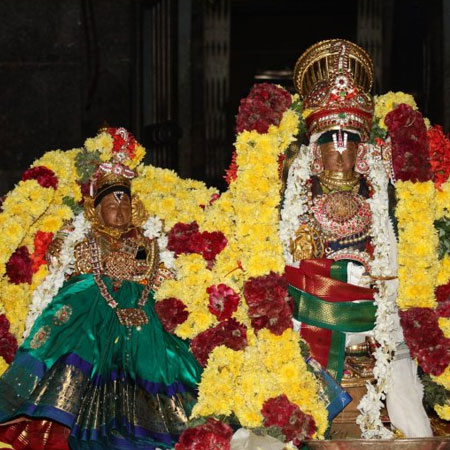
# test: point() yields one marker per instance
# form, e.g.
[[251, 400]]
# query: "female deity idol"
[[98, 370], [327, 221]]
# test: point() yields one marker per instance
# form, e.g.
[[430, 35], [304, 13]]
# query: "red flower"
[[171, 312], [41, 242], [212, 435], [19, 268], [443, 293], [208, 244], [179, 237], [425, 339], [264, 106], [269, 303], [223, 301], [185, 238], [8, 343], [231, 172], [439, 148], [294, 424], [123, 141], [229, 333], [44, 176], [410, 157]]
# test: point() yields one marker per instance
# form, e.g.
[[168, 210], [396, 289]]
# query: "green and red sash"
[[326, 306]]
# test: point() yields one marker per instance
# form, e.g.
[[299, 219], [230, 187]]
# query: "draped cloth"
[[328, 307], [82, 376]]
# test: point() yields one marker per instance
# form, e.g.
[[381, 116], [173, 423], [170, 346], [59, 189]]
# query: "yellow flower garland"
[[27, 209], [240, 382], [420, 270]]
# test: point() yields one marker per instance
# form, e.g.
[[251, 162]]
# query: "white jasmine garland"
[[58, 269], [153, 229], [386, 323], [295, 199]]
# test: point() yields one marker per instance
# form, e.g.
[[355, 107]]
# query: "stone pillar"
[[216, 56], [446, 63], [374, 34]]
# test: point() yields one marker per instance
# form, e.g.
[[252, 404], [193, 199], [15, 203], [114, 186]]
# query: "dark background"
[[173, 71]]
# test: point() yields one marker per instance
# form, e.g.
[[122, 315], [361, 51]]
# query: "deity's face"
[[114, 210], [335, 161]]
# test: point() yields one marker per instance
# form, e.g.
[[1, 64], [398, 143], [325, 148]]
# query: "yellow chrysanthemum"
[[443, 411]]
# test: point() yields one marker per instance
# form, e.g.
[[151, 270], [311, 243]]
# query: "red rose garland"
[[264, 106]]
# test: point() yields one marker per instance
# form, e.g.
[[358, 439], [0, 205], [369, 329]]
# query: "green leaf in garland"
[[297, 106], [86, 164], [376, 133], [434, 394], [443, 228], [73, 205]]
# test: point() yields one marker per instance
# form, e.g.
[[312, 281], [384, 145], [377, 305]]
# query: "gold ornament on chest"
[[342, 214]]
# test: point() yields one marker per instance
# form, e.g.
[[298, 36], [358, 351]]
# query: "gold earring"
[[138, 213]]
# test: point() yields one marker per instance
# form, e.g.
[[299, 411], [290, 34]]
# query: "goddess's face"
[[334, 161], [114, 210]]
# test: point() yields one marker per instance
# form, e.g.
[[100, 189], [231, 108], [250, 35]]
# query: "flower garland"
[[424, 320], [247, 216], [295, 199], [31, 213], [386, 324], [59, 268]]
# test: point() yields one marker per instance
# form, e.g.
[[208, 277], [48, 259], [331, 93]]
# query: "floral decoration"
[[44, 176], [294, 424], [171, 312], [407, 130], [269, 303], [223, 301], [8, 343], [423, 295], [213, 434], [439, 153], [264, 106], [386, 103], [19, 268], [253, 251], [230, 333]]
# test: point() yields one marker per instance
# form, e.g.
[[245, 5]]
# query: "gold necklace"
[[337, 182]]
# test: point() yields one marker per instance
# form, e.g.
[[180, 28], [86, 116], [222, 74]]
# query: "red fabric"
[[319, 341], [35, 434], [313, 277]]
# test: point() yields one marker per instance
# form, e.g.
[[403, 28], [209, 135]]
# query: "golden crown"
[[334, 78]]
